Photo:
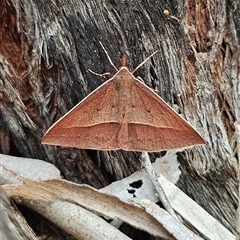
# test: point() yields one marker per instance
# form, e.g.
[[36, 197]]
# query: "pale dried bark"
[[13, 226], [63, 203], [47, 48]]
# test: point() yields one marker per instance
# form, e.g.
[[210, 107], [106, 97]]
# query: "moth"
[[123, 113]]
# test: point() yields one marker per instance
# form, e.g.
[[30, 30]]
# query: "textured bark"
[[211, 178], [47, 48]]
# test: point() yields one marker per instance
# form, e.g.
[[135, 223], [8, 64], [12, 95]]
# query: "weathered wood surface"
[[50, 192], [47, 47], [13, 225]]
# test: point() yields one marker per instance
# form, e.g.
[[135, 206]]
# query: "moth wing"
[[92, 123], [154, 126]]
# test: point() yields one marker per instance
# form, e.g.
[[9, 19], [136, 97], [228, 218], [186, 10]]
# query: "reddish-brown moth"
[[123, 113]]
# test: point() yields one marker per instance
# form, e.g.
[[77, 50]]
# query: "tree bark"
[[47, 48]]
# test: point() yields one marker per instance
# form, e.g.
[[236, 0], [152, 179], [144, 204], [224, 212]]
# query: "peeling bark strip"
[[13, 225], [123, 113], [48, 192]]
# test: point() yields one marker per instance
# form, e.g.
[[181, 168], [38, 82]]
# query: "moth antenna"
[[100, 74], [124, 60], [109, 59], [136, 68]]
